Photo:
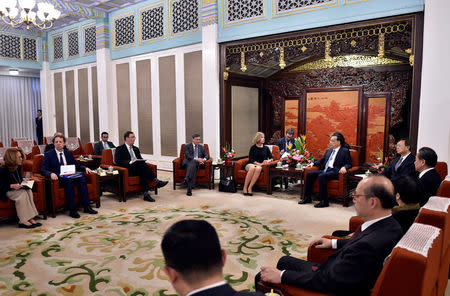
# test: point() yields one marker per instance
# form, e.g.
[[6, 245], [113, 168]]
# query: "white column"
[[434, 119], [66, 128], [77, 102], [180, 99], [210, 86], [133, 101], [47, 101]]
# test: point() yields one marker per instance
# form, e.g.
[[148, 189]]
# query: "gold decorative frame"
[[140, 11], [275, 14], [66, 48], [113, 30], [83, 38], [199, 23], [53, 47], [225, 24]]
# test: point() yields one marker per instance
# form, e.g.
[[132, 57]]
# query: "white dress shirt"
[[333, 157], [63, 156], [424, 172], [206, 288]]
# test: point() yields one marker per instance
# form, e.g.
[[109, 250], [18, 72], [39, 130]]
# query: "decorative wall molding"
[[184, 17], [151, 25]]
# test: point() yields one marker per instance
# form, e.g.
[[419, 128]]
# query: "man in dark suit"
[[103, 144], [354, 268], [53, 160], [129, 157], [403, 165], [429, 178], [336, 160], [289, 138], [194, 260], [195, 156], [39, 130]]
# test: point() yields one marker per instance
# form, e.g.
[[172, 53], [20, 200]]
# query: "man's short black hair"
[[429, 155], [381, 191], [408, 188], [39, 110], [407, 142], [192, 248], [127, 134], [195, 136], [290, 131], [339, 137], [104, 133]]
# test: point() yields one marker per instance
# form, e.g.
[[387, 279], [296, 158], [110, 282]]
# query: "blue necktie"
[[196, 151], [61, 160], [328, 162]]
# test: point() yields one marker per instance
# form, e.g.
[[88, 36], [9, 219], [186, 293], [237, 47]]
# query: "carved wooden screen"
[[377, 126], [332, 110], [291, 115]]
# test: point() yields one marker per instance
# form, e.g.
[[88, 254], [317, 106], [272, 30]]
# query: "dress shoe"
[[160, 183], [304, 201], [37, 224], [184, 183], [321, 204], [26, 226], [189, 193], [148, 198], [90, 210], [74, 214]]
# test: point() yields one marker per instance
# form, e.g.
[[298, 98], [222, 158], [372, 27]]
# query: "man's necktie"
[[196, 151], [399, 162], [329, 160], [105, 145], [133, 156], [61, 159]]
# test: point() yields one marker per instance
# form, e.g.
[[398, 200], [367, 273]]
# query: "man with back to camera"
[[194, 260], [195, 157], [129, 156], [354, 268], [403, 164], [429, 178], [103, 144], [337, 161]]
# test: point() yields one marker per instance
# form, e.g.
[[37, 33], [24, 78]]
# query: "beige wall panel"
[[123, 98], [83, 101], [193, 94], [144, 101], [244, 121], [95, 102], [167, 97], [59, 104], [70, 98]]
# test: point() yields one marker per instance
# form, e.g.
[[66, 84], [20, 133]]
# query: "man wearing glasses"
[[103, 144]]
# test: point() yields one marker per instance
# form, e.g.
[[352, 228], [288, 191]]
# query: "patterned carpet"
[[119, 253]]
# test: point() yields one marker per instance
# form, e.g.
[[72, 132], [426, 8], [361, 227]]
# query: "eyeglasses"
[[356, 195]]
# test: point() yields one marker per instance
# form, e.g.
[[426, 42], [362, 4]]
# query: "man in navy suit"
[[429, 178], [289, 138], [53, 160], [354, 268], [103, 144], [336, 160], [195, 157], [194, 260], [403, 165]]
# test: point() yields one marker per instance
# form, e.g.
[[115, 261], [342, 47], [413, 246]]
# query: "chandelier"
[[17, 14]]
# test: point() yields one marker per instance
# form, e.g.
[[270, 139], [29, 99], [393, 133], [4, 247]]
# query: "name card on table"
[[67, 170]]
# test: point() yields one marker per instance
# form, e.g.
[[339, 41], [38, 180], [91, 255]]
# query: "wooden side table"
[[290, 172], [90, 163], [111, 183], [226, 170]]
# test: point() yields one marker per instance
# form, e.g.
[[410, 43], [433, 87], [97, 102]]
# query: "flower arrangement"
[[299, 154], [381, 165], [228, 152]]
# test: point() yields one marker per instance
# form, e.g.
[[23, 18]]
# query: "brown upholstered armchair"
[[180, 173], [14, 141], [27, 148], [8, 208], [441, 168], [73, 144], [57, 197], [88, 149], [444, 189], [338, 188], [263, 180], [130, 184]]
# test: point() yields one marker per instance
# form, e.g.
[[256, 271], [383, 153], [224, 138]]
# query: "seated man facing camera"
[[194, 260], [354, 268]]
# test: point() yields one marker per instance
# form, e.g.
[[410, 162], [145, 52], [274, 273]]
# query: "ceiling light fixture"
[[14, 72], [18, 12]]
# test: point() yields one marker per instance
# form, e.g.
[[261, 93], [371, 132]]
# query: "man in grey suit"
[[194, 156], [103, 144]]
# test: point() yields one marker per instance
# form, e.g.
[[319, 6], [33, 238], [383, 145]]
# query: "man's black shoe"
[[189, 193], [148, 198], [90, 210], [184, 183], [74, 214], [304, 201], [321, 204], [160, 183]]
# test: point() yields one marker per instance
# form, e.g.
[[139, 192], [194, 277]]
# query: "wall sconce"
[[243, 66], [225, 73], [282, 62]]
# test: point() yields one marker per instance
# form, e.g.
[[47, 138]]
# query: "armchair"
[[263, 180], [73, 144], [57, 197], [130, 184], [338, 188], [444, 189], [27, 147], [441, 168], [180, 173]]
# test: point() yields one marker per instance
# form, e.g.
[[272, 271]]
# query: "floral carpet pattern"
[[119, 253]]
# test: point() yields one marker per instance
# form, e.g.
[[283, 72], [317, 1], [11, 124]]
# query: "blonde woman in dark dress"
[[11, 188], [259, 155]]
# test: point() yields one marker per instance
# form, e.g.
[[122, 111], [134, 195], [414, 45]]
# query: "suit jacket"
[[189, 152], [281, 143], [354, 268], [122, 156], [51, 162], [7, 178], [98, 147], [429, 184], [342, 159], [406, 168], [225, 290]]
